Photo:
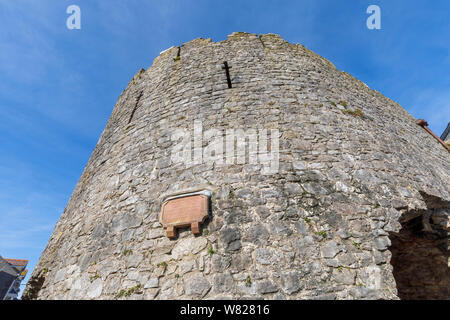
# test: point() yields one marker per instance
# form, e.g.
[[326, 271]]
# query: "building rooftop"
[[446, 134], [12, 272], [17, 262]]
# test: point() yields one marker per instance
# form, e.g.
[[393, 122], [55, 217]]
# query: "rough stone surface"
[[188, 246], [353, 167], [197, 286]]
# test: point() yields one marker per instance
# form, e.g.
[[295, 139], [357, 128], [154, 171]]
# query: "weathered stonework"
[[353, 168]]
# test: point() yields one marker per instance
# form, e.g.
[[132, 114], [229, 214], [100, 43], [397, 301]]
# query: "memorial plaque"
[[184, 211]]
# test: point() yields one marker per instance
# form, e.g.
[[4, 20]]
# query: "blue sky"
[[58, 86]]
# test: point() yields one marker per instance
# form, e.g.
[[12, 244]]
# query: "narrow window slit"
[[262, 42], [138, 98], [178, 57], [227, 71]]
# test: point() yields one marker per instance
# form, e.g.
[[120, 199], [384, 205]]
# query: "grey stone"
[[267, 256], [263, 211], [293, 189], [281, 228], [307, 247], [244, 193], [112, 286], [100, 230], [107, 267], [152, 283], [362, 293], [241, 262], [257, 234], [330, 249], [236, 216], [302, 227], [122, 221], [230, 239], [379, 258], [156, 233], [220, 263], [266, 286], [95, 289], [223, 283], [315, 188], [299, 165], [133, 275], [197, 286], [186, 267], [382, 243], [290, 282], [188, 246], [347, 259], [134, 260], [344, 276], [329, 296], [343, 234], [60, 275], [332, 263]]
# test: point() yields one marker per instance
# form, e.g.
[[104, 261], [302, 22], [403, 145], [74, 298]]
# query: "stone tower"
[[354, 205]]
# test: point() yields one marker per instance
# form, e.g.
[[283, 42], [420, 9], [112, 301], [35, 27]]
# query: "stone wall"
[[350, 162]]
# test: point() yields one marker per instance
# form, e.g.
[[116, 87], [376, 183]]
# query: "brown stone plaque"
[[184, 211]]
